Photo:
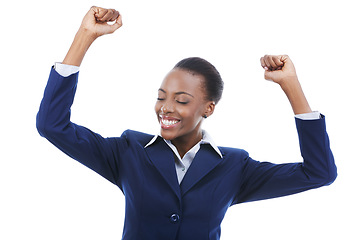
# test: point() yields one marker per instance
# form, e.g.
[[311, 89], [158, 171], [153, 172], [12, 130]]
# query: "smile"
[[169, 122]]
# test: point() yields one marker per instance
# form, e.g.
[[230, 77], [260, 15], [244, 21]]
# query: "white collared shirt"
[[183, 164]]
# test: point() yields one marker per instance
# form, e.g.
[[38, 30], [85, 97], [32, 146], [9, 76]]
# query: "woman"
[[178, 185]]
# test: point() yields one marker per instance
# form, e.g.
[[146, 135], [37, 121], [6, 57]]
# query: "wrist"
[[296, 96], [86, 36], [82, 41], [289, 83]]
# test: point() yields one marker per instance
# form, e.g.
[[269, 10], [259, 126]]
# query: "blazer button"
[[174, 218]]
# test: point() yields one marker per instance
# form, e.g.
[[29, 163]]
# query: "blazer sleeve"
[[263, 180], [89, 148]]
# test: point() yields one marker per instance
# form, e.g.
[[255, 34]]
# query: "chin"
[[167, 136]]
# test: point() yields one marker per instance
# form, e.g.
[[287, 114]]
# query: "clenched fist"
[[94, 25], [97, 21], [278, 68], [281, 70]]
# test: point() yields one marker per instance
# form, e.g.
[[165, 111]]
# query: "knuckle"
[[94, 9]]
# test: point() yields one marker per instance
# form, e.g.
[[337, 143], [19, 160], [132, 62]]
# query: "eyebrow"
[[177, 93]]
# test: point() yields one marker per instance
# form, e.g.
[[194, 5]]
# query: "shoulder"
[[137, 137], [229, 152]]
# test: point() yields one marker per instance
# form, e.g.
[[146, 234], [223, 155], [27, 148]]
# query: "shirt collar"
[[206, 139]]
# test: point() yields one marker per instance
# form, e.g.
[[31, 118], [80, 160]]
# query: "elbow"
[[52, 126], [323, 176], [42, 126], [52, 130], [331, 176], [332, 171]]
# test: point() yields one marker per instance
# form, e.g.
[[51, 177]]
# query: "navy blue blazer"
[[157, 207]]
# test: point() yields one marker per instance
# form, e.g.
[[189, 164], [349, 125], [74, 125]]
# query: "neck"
[[185, 143]]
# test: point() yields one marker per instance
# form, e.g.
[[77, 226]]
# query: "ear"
[[209, 108]]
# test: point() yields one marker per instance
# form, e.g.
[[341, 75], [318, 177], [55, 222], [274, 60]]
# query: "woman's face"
[[181, 105]]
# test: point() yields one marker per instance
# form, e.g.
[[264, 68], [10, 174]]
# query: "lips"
[[168, 122]]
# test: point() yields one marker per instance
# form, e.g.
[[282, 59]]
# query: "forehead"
[[178, 80]]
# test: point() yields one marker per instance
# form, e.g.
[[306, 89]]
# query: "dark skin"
[[180, 122], [182, 103]]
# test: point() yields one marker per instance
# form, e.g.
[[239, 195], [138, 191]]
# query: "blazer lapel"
[[205, 160], [163, 159]]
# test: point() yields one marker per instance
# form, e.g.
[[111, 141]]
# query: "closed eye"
[[182, 102]]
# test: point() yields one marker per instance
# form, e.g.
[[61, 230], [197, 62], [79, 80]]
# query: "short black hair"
[[214, 84]]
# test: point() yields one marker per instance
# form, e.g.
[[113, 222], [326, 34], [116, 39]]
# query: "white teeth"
[[168, 122]]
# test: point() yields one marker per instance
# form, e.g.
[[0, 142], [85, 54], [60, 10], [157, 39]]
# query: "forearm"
[[53, 123], [82, 41], [319, 164], [54, 112], [296, 96]]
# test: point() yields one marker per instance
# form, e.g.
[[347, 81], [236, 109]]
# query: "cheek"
[[190, 114], [157, 107]]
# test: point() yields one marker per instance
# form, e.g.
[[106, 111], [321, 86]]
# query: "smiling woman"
[[179, 184], [183, 102]]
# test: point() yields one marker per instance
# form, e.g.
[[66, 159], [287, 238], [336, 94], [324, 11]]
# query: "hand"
[[96, 21], [278, 68], [94, 25], [281, 70]]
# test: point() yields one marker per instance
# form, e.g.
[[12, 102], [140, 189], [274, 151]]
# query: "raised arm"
[[53, 119], [281, 70], [265, 180], [94, 25]]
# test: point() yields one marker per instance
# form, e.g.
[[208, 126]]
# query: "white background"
[[46, 195]]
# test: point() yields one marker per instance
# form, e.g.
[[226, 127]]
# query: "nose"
[[167, 107]]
